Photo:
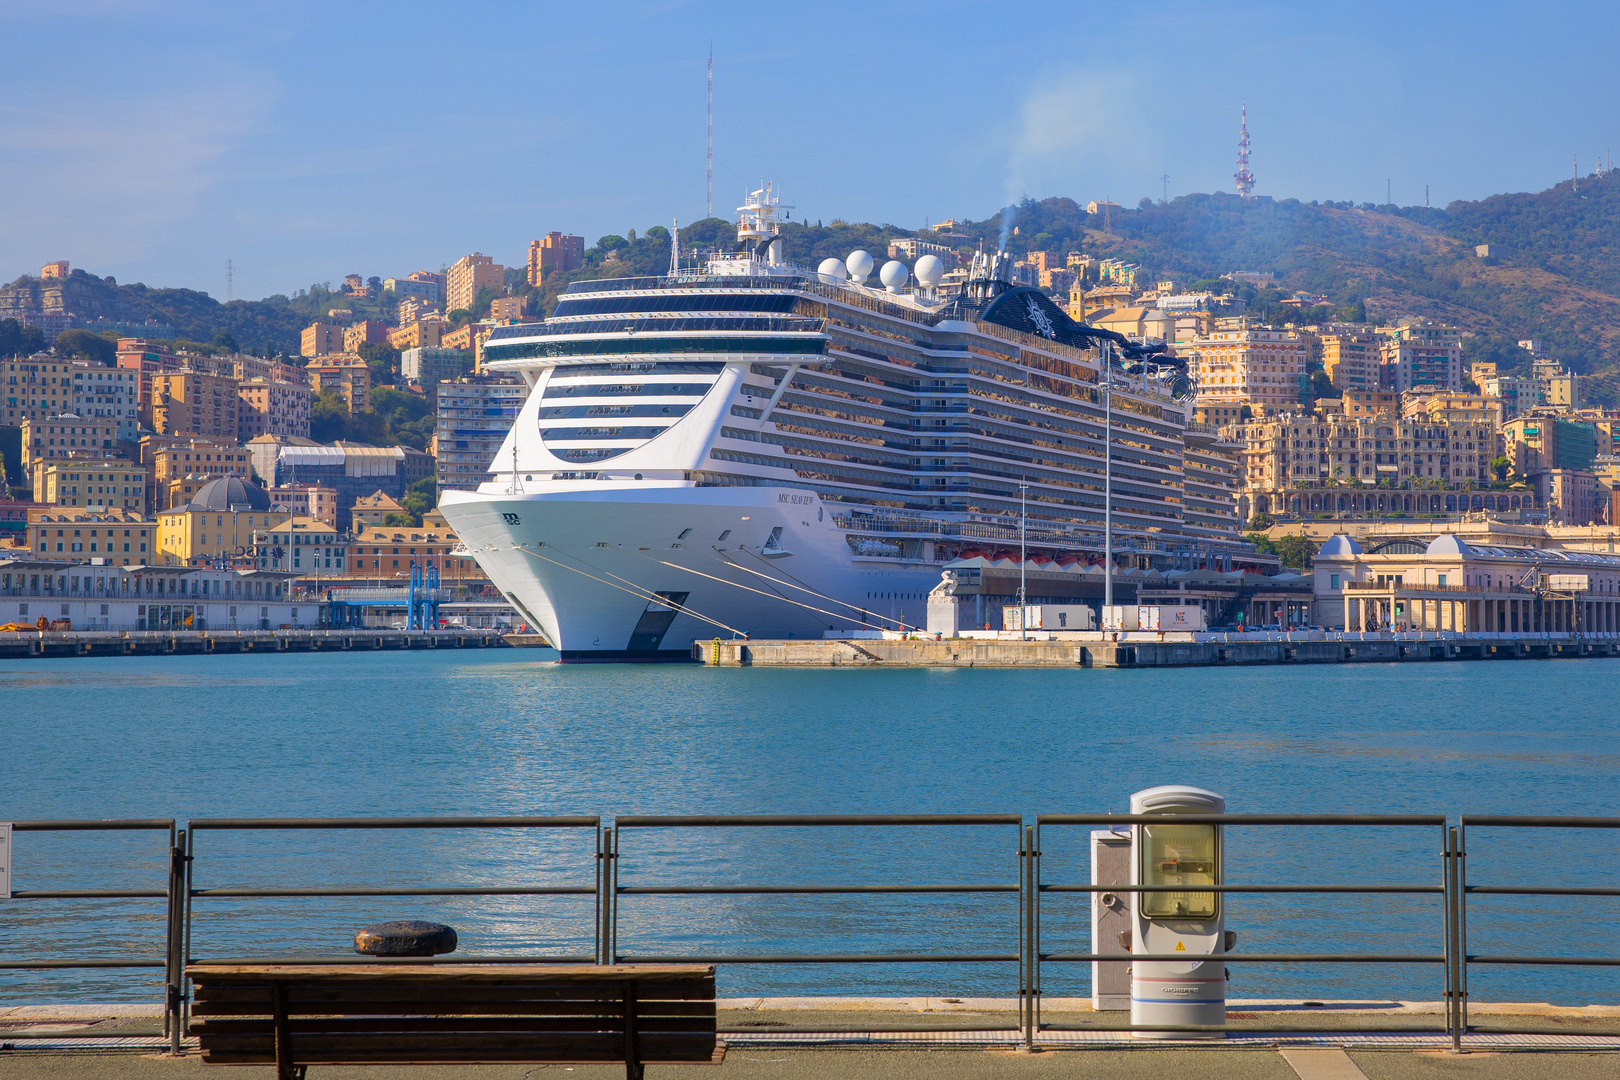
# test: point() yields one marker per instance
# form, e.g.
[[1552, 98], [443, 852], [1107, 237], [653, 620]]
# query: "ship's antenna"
[[675, 247], [708, 181], [517, 488]]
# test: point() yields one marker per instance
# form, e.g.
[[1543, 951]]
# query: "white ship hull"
[[583, 566]]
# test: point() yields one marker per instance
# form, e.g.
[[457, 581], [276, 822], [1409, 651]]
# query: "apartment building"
[[364, 332], [1350, 359], [415, 308], [125, 538], [554, 252], [346, 374], [1260, 367], [177, 469], [190, 404], [1419, 356], [35, 388], [425, 334], [92, 484], [219, 522], [321, 339], [1516, 395], [426, 366], [110, 393], [272, 408], [1304, 463], [470, 275], [420, 285], [474, 416]]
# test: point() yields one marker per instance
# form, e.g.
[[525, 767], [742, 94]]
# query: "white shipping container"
[[1119, 617], [1032, 616], [1170, 618], [1188, 617]]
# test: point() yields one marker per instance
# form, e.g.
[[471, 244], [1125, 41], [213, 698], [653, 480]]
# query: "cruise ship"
[[745, 447]]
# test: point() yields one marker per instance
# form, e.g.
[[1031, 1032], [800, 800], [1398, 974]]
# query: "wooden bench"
[[296, 1015]]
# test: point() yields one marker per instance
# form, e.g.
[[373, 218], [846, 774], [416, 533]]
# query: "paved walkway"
[[861, 1039]]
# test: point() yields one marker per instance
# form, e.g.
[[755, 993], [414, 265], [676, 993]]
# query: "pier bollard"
[[405, 937]]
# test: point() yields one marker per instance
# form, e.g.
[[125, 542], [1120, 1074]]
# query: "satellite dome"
[[893, 275], [929, 270], [860, 265], [833, 268]]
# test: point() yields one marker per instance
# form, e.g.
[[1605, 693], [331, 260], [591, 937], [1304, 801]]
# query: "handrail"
[[822, 821], [1031, 891], [1465, 890], [169, 962], [1443, 889]]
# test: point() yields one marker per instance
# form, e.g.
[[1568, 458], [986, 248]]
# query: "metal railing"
[[172, 893], [1016, 956], [1443, 888], [1459, 924], [181, 932], [1036, 900]]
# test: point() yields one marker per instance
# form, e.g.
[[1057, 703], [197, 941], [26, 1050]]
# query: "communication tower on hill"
[[1243, 177]]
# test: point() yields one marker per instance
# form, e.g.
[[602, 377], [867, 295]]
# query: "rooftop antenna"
[[708, 180], [1243, 177]]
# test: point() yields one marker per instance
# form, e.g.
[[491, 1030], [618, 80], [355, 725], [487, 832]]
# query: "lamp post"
[[1108, 474], [1023, 532]]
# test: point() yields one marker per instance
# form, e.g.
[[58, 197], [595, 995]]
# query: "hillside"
[[1553, 272]]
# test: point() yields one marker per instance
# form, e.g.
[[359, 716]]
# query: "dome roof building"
[[230, 493]]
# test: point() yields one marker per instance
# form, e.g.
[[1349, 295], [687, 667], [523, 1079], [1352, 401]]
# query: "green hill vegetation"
[[1552, 270]]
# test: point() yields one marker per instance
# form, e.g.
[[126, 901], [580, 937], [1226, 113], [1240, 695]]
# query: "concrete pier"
[[1145, 650], [68, 643]]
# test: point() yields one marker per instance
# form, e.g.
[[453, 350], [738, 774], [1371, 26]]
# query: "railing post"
[[174, 973], [1454, 960], [1460, 861]]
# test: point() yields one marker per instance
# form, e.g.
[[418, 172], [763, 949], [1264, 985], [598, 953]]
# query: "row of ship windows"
[[618, 346], [616, 305]]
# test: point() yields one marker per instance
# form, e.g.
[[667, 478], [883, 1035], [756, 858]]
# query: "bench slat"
[[302, 993], [378, 1006], [544, 973], [609, 1046], [208, 1029]]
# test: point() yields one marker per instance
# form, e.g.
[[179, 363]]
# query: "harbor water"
[[506, 733]]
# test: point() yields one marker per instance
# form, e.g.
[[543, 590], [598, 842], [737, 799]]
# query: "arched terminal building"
[[1448, 583]]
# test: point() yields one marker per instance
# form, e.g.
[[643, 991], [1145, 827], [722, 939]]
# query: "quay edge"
[[73, 643], [1104, 653]]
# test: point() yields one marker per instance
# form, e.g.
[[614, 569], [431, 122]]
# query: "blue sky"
[[155, 140]]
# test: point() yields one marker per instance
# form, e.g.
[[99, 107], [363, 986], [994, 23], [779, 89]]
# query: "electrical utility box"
[[1110, 919], [1175, 862]]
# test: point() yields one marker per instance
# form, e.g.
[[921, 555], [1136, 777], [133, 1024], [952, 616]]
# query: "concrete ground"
[[31, 1047], [891, 1065]]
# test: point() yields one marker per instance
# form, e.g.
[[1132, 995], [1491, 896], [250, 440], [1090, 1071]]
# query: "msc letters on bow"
[[5, 860]]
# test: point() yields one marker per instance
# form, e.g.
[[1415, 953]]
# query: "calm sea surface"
[[500, 733]]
